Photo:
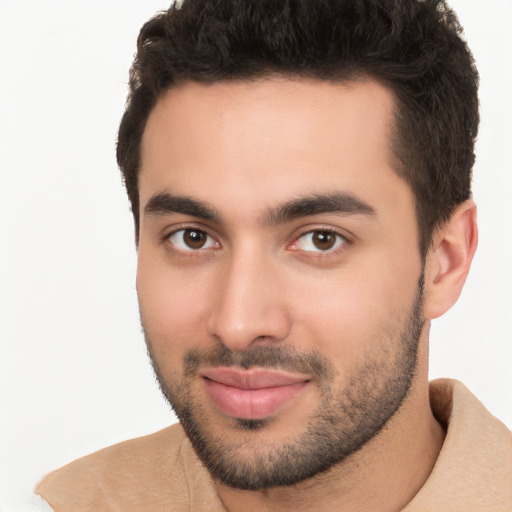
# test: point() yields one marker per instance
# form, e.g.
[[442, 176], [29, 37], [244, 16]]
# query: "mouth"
[[251, 394]]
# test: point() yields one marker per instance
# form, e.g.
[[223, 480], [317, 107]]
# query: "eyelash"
[[167, 239], [341, 242]]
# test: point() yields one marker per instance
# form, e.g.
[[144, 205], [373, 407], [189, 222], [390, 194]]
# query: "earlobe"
[[449, 259]]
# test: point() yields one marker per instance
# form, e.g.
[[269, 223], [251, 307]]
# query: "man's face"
[[279, 275]]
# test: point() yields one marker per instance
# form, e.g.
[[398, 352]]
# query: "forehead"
[[268, 139]]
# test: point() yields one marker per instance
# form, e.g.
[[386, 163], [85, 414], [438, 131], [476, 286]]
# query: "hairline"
[[349, 76]]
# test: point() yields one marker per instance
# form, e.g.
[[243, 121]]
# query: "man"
[[299, 173]]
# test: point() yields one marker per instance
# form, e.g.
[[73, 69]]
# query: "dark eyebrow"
[[165, 203], [341, 203]]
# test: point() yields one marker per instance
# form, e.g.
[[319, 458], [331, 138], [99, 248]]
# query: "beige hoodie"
[[161, 472]]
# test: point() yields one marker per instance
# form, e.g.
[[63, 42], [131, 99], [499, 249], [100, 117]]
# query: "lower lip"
[[250, 404]]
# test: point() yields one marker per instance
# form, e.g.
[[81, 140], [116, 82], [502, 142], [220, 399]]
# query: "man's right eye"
[[190, 239]]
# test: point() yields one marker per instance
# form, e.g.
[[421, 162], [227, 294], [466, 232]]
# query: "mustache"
[[282, 358]]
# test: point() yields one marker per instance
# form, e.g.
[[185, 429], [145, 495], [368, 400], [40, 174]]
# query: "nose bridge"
[[248, 307]]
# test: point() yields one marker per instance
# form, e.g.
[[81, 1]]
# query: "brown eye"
[[320, 241], [191, 240], [324, 240], [194, 239]]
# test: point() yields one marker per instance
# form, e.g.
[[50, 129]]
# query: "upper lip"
[[254, 378]]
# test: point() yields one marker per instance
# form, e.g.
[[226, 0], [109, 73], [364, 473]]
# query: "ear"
[[449, 259]]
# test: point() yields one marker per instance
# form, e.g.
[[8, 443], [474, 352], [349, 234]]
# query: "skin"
[[244, 149]]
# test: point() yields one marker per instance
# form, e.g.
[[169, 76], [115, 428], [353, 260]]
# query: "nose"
[[249, 305]]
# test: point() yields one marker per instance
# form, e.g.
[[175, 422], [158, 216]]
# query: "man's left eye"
[[319, 241]]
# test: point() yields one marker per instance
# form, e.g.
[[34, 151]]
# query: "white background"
[[74, 373]]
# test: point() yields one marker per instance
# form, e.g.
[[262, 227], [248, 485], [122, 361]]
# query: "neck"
[[384, 475]]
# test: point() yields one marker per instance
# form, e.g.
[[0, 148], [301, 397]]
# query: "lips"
[[250, 394]]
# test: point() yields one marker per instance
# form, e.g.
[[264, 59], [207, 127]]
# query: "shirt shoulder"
[[156, 472], [474, 469]]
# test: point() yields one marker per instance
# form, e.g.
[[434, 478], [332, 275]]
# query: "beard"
[[344, 421]]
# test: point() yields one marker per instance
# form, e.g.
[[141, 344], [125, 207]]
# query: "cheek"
[[172, 308], [358, 309]]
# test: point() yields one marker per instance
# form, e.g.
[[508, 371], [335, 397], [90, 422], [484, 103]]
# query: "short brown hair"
[[414, 47]]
